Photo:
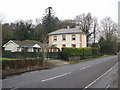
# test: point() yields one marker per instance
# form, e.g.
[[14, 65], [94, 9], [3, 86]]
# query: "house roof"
[[66, 31], [25, 43]]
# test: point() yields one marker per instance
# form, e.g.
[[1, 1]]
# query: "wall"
[[68, 40], [30, 49], [11, 46]]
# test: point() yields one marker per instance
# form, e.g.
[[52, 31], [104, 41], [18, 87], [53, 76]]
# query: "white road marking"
[[100, 77], [82, 68], [55, 77], [85, 67], [107, 87]]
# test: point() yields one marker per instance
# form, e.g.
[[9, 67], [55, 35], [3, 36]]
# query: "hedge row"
[[87, 51], [9, 54], [18, 64]]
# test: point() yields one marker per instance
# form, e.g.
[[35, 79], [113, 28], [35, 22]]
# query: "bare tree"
[[108, 27], [87, 24], [95, 28], [44, 46]]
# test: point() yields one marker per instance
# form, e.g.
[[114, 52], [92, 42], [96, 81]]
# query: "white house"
[[68, 37], [22, 46]]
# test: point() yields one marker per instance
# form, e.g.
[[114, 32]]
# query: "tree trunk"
[[87, 41]]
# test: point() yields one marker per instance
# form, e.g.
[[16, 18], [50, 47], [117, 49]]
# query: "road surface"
[[97, 73]]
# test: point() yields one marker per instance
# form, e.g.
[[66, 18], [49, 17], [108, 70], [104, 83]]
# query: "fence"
[[52, 55]]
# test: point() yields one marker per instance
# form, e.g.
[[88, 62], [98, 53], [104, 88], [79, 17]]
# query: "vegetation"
[[7, 59], [103, 32], [68, 52]]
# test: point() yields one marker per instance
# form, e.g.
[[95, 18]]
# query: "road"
[[96, 73]]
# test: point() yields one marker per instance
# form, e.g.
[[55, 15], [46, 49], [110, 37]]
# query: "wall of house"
[[12, 47], [68, 42], [19, 49], [30, 49], [84, 43]]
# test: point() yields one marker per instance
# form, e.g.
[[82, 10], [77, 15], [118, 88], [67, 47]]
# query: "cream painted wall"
[[84, 44], [68, 41], [30, 49], [12, 47]]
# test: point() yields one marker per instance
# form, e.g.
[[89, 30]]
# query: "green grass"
[[76, 61], [7, 59]]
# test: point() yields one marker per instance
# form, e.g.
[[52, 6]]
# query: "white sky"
[[64, 9]]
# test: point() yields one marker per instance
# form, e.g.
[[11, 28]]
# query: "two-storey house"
[[68, 37]]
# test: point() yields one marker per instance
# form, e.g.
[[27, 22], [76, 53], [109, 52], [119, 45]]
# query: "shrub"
[[21, 63], [87, 51], [69, 52], [95, 51]]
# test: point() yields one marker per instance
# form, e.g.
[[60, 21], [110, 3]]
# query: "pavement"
[[96, 73]]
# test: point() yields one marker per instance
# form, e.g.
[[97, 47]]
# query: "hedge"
[[9, 54], [87, 51], [21, 63]]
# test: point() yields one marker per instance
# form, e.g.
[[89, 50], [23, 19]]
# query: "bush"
[[95, 51], [9, 54], [21, 63], [69, 52], [87, 51]]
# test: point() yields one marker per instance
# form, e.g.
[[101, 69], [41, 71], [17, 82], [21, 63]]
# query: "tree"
[[23, 30], [95, 24], [48, 25], [108, 44], [85, 23], [7, 33], [66, 23], [49, 20], [108, 27]]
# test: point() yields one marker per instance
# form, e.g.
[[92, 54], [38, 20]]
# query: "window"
[[74, 45], [55, 38], [63, 37], [63, 45], [73, 37]]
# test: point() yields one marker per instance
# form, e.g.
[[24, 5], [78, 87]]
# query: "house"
[[22, 46], [68, 37]]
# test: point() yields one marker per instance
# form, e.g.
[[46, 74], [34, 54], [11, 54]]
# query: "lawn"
[[7, 59], [76, 61]]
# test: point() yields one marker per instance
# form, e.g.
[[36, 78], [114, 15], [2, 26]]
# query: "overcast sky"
[[64, 9]]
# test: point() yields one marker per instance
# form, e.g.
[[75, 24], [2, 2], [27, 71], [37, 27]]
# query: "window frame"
[[63, 37], [55, 38], [73, 37]]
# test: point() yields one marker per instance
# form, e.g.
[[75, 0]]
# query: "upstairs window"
[[63, 37], [73, 37], [55, 38]]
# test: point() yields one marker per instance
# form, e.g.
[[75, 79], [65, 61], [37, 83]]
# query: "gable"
[[10, 42], [37, 46]]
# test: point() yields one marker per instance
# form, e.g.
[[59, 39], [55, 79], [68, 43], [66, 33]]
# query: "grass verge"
[[76, 61], [7, 59]]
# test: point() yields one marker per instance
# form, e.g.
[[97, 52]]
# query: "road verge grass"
[[7, 59]]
